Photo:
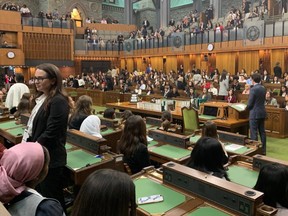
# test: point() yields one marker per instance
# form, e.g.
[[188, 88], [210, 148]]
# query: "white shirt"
[[14, 94], [28, 131]]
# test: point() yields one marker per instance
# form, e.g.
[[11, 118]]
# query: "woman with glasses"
[[47, 125]]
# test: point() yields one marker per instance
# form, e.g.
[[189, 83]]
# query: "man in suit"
[[257, 115]]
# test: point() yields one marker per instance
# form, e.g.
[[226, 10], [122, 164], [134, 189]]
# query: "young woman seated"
[[124, 116], [167, 124], [22, 108], [209, 129], [22, 167], [273, 182], [83, 108], [106, 192], [231, 98], [91, 125], [208, 156], [133, 144], [283, 91], [270, 100], [246, 89]]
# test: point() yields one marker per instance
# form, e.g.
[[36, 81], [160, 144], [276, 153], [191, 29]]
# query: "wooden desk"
[[11, 131], [176, 202], [161, 153], [231, 125], [276, 124]]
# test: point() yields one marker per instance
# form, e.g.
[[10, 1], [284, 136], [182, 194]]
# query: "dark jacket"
[[256, 102], [50, 127]]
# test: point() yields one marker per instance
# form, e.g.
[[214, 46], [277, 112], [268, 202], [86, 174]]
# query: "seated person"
[[208, 156], [106, 192], [285, 103], [149, 90], [209, 129], [235, 85], [205, 96], [22, 167], [231, 98], [270, 100], [246, 89], [22, 108], [166, 124], [137, 90], [91, 126], [83, 108], [213, 90], [275, 80], [173, 93], [166, 91], [283, 91], [133, 144], [109, 113], [273, 182], [125, 115]]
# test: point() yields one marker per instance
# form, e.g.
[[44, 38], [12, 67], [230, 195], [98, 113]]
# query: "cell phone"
[[150, 199]]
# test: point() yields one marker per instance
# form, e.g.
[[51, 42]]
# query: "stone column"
[[164, 13], [217, 4], [128, 11], [198, 5]]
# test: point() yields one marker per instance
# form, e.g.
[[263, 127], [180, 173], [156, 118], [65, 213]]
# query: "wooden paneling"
[[157, 62], [248, 60], [277, 56], [171, 63], [17, 60], [226, 61]]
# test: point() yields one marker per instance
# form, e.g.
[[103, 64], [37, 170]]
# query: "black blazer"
[[50, 127]]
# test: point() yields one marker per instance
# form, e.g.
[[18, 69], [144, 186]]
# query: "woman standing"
[[48, 125], [224, 84]]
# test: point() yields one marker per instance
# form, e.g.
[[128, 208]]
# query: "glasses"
[[40, 79]]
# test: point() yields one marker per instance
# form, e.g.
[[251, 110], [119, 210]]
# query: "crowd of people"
[[37, 185]]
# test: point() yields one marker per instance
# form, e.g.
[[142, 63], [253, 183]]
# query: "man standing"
[[256, 105], [15, 93]]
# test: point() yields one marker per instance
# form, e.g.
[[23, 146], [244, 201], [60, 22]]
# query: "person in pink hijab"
[[22, 167]]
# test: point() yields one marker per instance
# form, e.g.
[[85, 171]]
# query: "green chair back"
[[190, 119]]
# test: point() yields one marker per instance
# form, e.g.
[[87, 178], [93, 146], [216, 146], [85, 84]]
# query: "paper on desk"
[[149, 139], [239, 106], [232, 147]]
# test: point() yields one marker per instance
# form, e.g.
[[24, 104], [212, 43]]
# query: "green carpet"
[[98, 108], [277, 148]]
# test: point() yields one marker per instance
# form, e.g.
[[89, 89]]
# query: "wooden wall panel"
[[186, 63], [249, 61], [226, 61], [157, 62], [130, 64], [171, 63], [277, 55]]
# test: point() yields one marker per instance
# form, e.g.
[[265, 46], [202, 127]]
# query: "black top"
[[138, 160], [50, 127], [76, 121]]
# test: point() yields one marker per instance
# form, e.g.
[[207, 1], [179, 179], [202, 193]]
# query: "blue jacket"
[[256, 102]]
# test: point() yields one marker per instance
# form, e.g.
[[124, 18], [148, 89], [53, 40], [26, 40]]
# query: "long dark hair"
[[273, 182], [134, 133], [210, 130], [106, 193], [207, 156], [223, 75], [52, 72]]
